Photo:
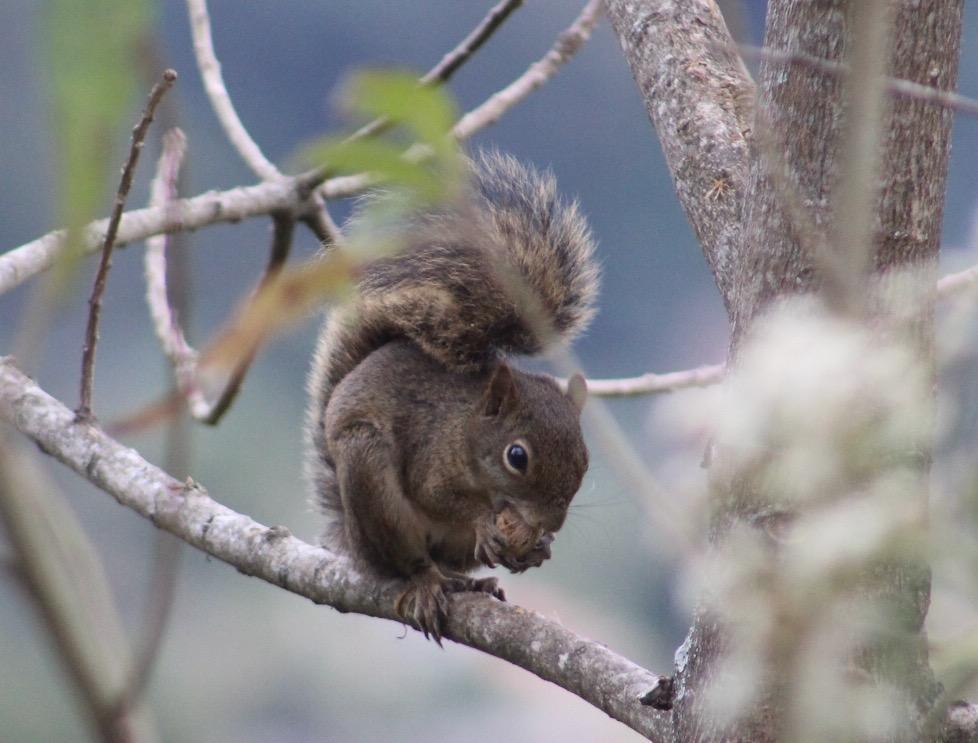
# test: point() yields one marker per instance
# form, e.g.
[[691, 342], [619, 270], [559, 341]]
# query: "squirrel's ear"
[[501, 393], [577, 391]]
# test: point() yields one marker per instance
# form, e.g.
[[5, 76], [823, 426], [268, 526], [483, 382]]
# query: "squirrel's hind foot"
[[425, 600]]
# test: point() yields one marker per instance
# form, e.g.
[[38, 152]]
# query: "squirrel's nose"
[[543, 544]]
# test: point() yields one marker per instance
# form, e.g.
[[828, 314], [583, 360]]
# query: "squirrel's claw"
[[488, 585], [424, 602], [491, 546]]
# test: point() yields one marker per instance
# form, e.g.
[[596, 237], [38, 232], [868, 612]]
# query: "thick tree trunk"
[[754, 249]]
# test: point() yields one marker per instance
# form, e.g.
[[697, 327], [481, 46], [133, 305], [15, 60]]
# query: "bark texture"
[[694, 94], [699, 96], [804, 108]]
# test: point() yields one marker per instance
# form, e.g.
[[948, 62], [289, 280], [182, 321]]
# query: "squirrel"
[[428, 451]]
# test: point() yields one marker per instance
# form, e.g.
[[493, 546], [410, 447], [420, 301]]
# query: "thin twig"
[[955, 283], [84, 412], [319, 219], [650, 383], [183, 357], [444, 70], [210, 73], [282, 229], [489, 112], [894, 86], [536, 75], [320, 223], [855, 193]]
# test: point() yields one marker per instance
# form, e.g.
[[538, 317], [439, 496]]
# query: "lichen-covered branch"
[[522, 637], [699, 96]]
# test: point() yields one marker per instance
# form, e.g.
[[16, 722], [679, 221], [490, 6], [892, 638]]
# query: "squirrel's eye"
[[516, 458]]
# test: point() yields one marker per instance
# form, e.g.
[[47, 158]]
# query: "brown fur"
[[412, 408]]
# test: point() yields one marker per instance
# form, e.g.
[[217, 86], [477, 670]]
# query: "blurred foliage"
[[431, 171], [409, 181], [91, 92]]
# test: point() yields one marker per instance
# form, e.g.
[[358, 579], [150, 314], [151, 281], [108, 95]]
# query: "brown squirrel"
[[430, 453]]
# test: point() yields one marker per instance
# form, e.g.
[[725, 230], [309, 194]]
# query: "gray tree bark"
[[694, 93]]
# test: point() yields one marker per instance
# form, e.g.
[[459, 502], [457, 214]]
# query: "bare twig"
[[183, 357], [321, 224], [282, 230], [855, 193], [61, 573], [444, 70], [536, 75], [954, 283], [210, 72], [318, 219], [646, 384], [543, 647], [489, 112], [894, 86], [101, 276]]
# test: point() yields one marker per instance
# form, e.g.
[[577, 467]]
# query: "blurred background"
[[241, 660]]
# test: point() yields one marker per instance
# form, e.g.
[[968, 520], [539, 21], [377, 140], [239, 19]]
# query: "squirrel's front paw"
[[425, 602], [510, 541], [491, 546]]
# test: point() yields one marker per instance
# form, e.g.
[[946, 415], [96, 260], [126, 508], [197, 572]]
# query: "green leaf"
[[90, 51], [383, 160], [428, 172], [427, 111]]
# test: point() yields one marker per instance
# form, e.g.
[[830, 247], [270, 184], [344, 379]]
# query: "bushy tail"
[[507, 272]]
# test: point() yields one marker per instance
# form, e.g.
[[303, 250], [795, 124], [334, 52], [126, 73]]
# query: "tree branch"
[[217, 93], [651, 383], [699, 96], [102, 274], [21, 263], [894, 86], [526, 639], [445, 68], [536, 75]]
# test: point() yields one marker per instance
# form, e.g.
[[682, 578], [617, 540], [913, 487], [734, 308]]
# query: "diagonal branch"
[[443, 71], [217, 92], [895, 86], [651, 383], [536, 75], [102, 274], [526, 639], [181, 355]]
